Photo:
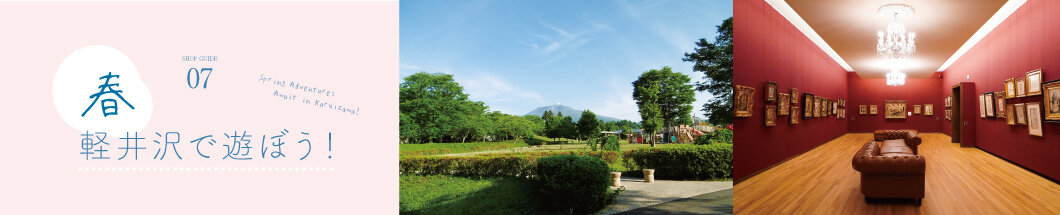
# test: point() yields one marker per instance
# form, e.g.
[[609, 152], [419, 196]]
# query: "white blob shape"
[[78, 77]]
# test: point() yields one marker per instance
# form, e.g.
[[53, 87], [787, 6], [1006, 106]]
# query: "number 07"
[[198, 74]]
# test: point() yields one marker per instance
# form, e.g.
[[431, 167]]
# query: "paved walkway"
[[682, 193]]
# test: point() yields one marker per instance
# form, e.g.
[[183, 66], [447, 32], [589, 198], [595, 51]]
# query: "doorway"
[[955, 112]]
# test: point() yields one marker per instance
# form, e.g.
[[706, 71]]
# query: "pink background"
[[351, 48]]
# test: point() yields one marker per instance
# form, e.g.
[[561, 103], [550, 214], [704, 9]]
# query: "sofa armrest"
[[912, 139], [914, 164]]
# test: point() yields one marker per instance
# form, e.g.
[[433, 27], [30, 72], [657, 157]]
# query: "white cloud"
[[619, 103], [492, 89]]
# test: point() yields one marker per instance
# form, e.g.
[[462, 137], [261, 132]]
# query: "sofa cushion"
[[893, 143]]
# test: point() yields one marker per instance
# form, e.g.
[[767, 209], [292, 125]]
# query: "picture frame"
[[817, 106], [862, 109], [1034, 118], [1010, 115], [807, 105], [826, 107], [1021, 114], [783, 103], [842, 113], [872, 109], [744, 102], [989, 101], [929, 109], [771, 115], [916, 109], [794, 115], [1051, 98], [999, 107], [947, 114], [1021, 87], [894, 109], [1034, 83], [982, 106], [794, 96], [949, 101], [835, 107], [1010, 88], [771, 91]]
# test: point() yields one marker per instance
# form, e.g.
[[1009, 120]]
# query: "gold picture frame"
[[1010, 115], [862, 109], [929, 109], [982, 106], [989, 100], [1021, 87], [1034, 118], [894, 109], [744, 101], [1034, 82], [807, 105], [783, 103], [771, 115], [794, 96], [872, 109], [1010, 88], [1051, 98], [1021, 114], [916, 109], [794, 115]]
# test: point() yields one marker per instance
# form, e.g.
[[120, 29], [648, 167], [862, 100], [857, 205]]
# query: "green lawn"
[[441, 194]]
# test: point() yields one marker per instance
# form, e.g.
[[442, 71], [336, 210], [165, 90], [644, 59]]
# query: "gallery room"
[[931, 106]]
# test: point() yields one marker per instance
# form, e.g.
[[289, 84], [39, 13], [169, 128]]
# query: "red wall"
[[1027, 40], [873, 91], [769, 48]]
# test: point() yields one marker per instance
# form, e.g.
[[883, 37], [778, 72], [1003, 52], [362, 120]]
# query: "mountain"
[[568, 111]]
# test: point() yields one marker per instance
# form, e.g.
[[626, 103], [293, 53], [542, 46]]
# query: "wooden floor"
[[959, 181]]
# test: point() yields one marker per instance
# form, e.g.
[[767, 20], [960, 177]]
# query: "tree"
[[664, 97], [714, 60], [588, 125], [438, 106]]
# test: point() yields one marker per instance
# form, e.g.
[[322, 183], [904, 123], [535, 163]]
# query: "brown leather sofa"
[[890, 166]]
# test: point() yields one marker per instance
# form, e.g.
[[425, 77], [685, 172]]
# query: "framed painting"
[[817, 106], [999, 104], [1010, 88], [989, 100], [1034, 82], [1021, 114], [835, 107], [947, 114], [794, 96], [872, 109], [794, 115], [771, 91], [1051, 91], [826, 107], [863, 110], [771, 115], [982, 106], [949, 100], [1034, 118], [916, 109], [744, 102], [1021, 87], [842, 113], [929, 109], [894, 109], [783, 103], [807, 105], [1010, 115]]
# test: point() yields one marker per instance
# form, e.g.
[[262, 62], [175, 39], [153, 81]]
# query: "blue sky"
[[519, 55]]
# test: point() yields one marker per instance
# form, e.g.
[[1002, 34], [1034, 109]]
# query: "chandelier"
[[896, 43], [895, 78]]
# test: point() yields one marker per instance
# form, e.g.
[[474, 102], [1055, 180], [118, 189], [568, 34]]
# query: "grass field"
[[440, 194], [449, 148]]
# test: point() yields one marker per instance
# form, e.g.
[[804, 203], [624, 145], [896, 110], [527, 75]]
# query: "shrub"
[[610, 143], [513, 166], [721, 136], [698, 162], [533, 141], [702, 139], [608, 156], [574, 183]]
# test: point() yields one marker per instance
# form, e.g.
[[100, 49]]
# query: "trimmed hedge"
[[574, 183], [494, 164], [699, 162]]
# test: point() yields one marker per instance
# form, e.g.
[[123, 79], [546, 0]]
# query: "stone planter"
[[649, 175], [616, 179]]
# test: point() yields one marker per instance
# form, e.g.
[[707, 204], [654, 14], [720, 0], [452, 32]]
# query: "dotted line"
[[204, 169]]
